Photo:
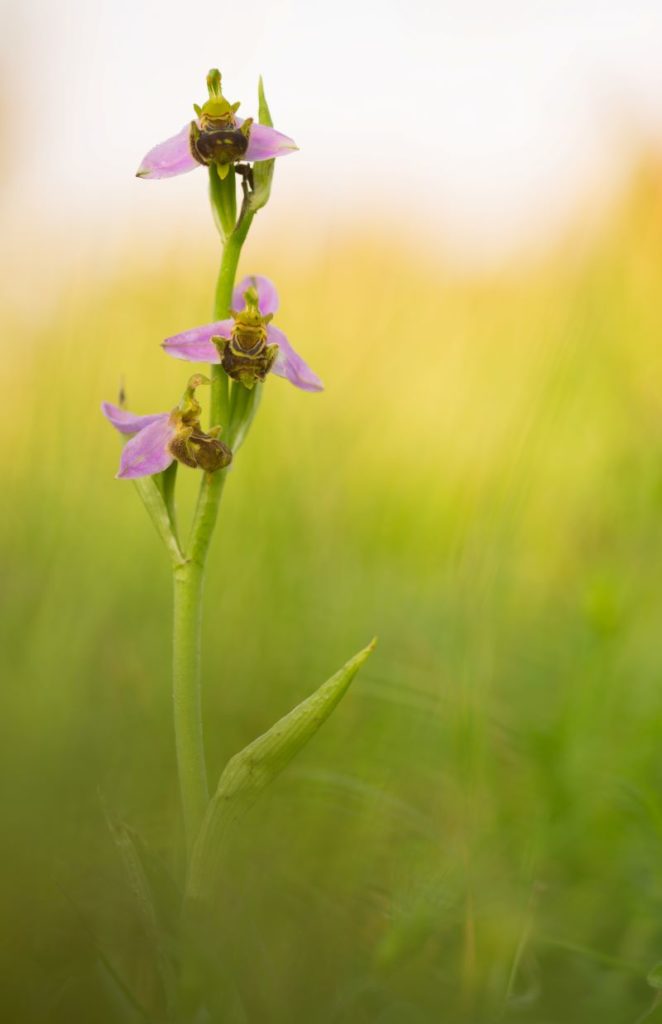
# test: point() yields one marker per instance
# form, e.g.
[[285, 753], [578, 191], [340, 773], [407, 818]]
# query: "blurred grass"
[[477, 832]]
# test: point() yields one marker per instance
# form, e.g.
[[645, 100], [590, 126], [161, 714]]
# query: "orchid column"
[[243, 348]]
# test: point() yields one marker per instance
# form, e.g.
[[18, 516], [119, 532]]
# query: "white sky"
[[486, 118]]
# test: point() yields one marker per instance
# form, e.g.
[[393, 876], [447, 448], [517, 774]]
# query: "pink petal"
[[169, 158], [265, 143], [196, 345], [128, 422], [147, 453], [290, 365], [266, 294]]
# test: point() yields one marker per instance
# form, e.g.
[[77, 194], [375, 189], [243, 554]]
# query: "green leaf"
[[250, 771], [654, 976], [263, 171]]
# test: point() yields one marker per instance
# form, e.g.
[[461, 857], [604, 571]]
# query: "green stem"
[[188, 579], [220, 398], [212, 486], [228, 269], [206, 513]]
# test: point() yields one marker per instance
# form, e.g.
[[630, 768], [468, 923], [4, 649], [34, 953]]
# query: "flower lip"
[[218, 145]]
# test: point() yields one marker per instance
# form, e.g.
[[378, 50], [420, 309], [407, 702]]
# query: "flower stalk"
[[186, 693], [227, 274], [189, 578]]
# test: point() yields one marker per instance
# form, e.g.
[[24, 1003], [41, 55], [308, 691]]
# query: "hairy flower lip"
[[197, 344], [174, 156]]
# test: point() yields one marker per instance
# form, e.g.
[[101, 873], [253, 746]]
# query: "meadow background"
[[476, 834]]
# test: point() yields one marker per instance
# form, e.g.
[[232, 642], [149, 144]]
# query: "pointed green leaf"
[[250, 771], [263, 171]]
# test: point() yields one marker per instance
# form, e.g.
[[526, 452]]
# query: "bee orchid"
[[217, 136], [247, 346], [160, 438]]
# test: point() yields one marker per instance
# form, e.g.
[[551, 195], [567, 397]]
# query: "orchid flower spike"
[[248, 346], [217, 136], [162, 437]]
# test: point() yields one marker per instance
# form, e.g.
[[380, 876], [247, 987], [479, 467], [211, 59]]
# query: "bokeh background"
[[469, 251]]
